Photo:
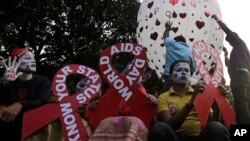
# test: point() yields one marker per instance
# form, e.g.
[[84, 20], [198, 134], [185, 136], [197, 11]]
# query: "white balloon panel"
[[191, 18]]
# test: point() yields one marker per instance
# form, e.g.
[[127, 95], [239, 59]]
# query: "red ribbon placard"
[[122, 87], [203, 102], [67, 106]]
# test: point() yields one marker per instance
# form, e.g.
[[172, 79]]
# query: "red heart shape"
[[182, 15], [174, 15], [191, 39], [150, 15], [141, 29], [157, 22], [207, 13], [154, 36], [173, 2], [199, 24], [150, 4], [175, 29], [183, 3]]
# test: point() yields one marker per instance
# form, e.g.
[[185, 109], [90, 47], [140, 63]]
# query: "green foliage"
[[60, 32]]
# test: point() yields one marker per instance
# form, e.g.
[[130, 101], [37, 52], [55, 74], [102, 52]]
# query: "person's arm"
[[151, 99], [43, 95], [223, 25], [168, 26], [232, 37], [177, 120], [10, 112], [226, 56]]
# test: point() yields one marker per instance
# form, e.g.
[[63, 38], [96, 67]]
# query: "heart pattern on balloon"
[[191, 18]]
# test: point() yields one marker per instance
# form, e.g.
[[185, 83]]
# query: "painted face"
[[82, 84], [28, 63], [181, 73]]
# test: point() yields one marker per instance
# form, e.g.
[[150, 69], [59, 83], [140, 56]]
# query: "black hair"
[[176, 62], [180, 39]]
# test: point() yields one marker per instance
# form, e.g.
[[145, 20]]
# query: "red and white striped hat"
[[17, 52]]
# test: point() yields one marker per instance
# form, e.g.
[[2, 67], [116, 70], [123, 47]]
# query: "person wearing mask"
[[176, 48], [55, 128], [21, 92], [177, 118], [124, 125]]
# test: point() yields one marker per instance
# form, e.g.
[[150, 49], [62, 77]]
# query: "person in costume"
[[178, 120], [125, 125], [21, 92], [55, 128], [176, 48]]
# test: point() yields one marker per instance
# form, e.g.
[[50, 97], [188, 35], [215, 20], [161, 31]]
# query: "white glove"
[[10, 73]]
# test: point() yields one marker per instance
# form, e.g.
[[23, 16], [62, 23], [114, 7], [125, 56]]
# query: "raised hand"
[[215, 17], [168, 25], [10, 73]]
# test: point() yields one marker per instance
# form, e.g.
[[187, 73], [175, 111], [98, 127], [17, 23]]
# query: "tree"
[[67, 31]]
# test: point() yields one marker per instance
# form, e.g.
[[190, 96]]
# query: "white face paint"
[[181, 73], [28, 62], [82, 84]]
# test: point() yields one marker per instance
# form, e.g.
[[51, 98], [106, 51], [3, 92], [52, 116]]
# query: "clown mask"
[[181, 73], [28, 62], [82, 84]]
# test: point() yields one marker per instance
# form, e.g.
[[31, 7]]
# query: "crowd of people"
[[175, 119]]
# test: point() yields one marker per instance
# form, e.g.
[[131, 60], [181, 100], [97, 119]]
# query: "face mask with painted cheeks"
[[181, 73], [82, 84], [28, 63]]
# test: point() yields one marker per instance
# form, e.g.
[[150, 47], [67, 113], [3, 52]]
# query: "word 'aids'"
[[122, 87], [204, 101]]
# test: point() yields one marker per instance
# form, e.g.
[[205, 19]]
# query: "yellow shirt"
[[172, 101]]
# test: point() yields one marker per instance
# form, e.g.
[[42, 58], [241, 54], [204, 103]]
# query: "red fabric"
[[124, 109], [204, 101], [143, 90], [17, 52]]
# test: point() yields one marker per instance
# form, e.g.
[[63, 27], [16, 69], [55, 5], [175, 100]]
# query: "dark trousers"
[[11, 131], [240, 85], [214, 131]]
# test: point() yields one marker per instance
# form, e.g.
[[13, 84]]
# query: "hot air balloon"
[[191, 18]]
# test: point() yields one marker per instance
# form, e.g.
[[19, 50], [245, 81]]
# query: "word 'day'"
[[122, 87]]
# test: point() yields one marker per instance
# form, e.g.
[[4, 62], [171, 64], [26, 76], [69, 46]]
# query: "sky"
[[236, 15]]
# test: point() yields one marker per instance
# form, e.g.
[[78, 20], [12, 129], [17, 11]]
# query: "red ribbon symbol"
[[203, 102], [122, 87], [66, 108]]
